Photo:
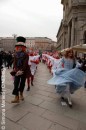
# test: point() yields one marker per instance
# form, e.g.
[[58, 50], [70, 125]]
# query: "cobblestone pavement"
[[41, 109]]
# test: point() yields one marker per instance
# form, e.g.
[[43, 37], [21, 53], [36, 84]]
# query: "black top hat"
[[20, 41]]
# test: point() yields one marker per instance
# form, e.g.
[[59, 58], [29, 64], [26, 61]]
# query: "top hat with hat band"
[[20, 41]]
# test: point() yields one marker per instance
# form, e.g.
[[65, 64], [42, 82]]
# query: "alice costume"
[[68, 79], [64, 76]]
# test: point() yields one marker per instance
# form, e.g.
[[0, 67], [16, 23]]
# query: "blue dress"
[[74, 77], [67, 75]]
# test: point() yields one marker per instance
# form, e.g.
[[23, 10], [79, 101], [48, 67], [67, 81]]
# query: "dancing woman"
[[66, 79]]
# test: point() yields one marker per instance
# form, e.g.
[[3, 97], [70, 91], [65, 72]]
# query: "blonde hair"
[[69, 50]]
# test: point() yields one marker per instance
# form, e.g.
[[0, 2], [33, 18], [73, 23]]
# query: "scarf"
[[20, 58]]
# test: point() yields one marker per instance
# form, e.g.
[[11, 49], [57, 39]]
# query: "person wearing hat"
[[21, 69]]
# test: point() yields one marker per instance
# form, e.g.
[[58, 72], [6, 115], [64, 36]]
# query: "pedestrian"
[[9, 60], [21, 69]]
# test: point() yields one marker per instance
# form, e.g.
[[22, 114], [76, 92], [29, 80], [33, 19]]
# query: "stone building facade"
[[37, 43], [72, 30], [7, 43], [43, 43], [30, 42]]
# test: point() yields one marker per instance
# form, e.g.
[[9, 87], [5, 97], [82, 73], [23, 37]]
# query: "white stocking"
[[68, 94]]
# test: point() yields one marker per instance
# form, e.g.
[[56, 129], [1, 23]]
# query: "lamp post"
[[14, 39]]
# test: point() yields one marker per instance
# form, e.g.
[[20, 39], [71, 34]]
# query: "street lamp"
[[14, 36]]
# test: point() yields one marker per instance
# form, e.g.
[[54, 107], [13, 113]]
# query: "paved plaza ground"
[[41, 109]]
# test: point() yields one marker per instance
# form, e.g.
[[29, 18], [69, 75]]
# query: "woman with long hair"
[[66, 80]]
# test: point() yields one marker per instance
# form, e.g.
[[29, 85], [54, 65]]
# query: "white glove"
[[19, 73]]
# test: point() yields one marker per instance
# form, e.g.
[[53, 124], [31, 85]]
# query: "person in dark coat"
[[9, 60], [21, 69]]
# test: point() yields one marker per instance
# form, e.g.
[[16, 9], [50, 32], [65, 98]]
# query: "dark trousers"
[[19, 84]]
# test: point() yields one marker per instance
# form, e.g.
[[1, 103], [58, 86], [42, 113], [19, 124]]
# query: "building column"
[[63, 46], [69, 36], [72, 32]]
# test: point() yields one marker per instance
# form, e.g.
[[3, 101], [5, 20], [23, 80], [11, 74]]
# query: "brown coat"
[[24, 66]]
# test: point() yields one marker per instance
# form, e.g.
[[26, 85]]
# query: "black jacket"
[[1, 59]]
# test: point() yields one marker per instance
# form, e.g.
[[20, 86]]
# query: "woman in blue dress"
[[66, 80]]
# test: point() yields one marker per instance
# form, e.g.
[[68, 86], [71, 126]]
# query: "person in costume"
[[66, 80], [21, 69], [32, 62]]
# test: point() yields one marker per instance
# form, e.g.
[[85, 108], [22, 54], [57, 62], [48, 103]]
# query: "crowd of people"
[[64, 68]]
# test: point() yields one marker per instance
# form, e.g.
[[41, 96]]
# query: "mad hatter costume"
[[21, 69]]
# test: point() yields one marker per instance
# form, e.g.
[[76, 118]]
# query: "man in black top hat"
[[21, 69]]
